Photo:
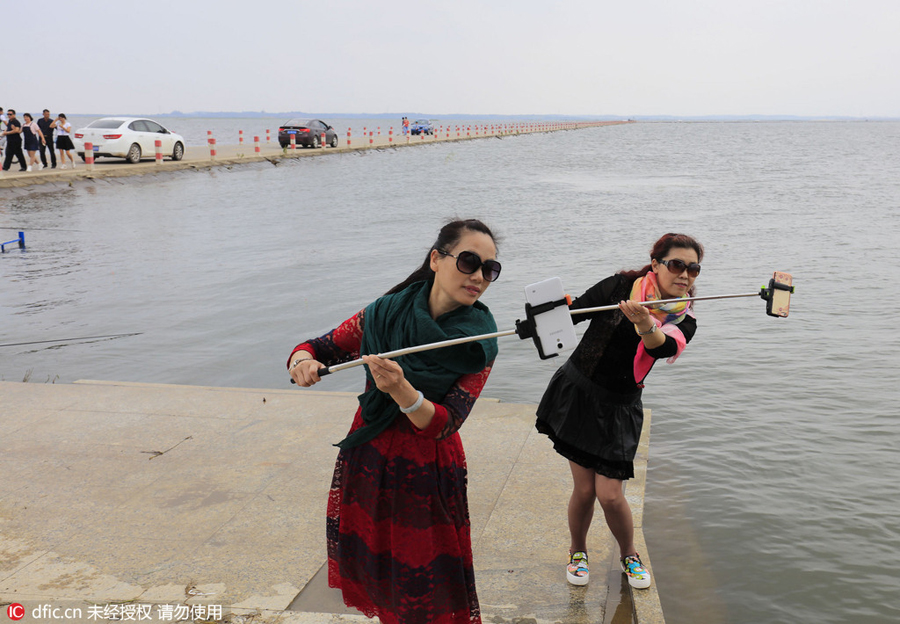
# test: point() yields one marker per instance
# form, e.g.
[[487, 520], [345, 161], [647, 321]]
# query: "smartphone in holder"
[[778, 302], [554, 331]]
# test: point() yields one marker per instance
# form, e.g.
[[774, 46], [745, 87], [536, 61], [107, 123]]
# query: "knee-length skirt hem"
[[589, 425], [64, 143]]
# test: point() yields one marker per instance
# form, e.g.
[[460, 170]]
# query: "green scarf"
[[403, 320]]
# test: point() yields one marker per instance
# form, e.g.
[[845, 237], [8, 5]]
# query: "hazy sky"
[[582, 57]]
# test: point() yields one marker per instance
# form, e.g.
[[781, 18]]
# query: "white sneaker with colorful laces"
[[577, 571], [633, 567]]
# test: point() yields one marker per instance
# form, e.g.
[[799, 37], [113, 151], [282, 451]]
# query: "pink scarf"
[[666, 316]]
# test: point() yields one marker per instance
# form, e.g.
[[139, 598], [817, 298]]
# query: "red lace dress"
[[399, 543]]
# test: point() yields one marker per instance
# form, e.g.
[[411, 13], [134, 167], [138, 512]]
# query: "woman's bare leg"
[[617, 512], [581, 505]]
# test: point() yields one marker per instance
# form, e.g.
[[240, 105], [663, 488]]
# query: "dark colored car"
[[421, 126], [306, 133]]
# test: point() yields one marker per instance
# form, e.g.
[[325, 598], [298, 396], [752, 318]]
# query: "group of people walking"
[[35, 137], [398, 528]]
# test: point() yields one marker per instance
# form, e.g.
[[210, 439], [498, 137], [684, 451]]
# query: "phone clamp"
[[526, 329], [768, 293]]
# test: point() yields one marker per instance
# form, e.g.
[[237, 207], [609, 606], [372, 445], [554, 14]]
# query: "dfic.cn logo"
[[15, 611]]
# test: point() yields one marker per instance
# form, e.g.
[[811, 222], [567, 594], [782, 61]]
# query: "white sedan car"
[[128, 137]]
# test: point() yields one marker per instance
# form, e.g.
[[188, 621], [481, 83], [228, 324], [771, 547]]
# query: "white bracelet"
[[414, 406], [649, 331]]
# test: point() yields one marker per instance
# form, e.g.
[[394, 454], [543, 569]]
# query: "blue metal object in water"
[[20, 240]]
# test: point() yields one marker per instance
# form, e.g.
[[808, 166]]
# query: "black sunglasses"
[[677, 267], [468, 262]]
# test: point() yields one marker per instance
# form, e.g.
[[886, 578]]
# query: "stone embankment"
[[250, 152]]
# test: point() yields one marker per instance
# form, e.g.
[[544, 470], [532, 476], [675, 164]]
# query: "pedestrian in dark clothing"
[[13, 134], [47, 125]]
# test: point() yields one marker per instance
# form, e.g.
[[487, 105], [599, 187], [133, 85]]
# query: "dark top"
[[13, 140], [44, 125], [606, 352]]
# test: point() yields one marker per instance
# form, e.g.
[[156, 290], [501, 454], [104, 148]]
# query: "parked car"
[[421, 126], [130, 138], [306, 133]]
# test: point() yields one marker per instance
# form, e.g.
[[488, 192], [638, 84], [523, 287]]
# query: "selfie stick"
[[664, 301], [427, 347], [525, 329]]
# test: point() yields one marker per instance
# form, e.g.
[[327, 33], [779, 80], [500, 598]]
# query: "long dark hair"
[[661, 249], [447, 238]]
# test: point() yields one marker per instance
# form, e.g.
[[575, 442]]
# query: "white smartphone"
[[554, 329]]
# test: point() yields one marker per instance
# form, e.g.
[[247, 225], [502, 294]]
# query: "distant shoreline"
[[493, 116]]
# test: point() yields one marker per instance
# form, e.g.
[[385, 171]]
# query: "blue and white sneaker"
[[633, 567]]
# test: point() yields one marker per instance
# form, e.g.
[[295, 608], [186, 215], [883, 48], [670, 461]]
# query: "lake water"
[[775, 454]]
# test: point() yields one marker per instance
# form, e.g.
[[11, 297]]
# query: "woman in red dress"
[[399, 543]]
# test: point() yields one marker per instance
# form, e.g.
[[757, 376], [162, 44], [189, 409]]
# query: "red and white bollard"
[[212, 147], [324, 142], [391, 135], [158, 145], [268, 137], [370, 137], [293, 141], [348, 137], [256, 145], [240, 137], [89, 156]]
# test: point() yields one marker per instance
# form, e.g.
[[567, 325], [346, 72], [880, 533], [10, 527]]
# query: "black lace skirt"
[[589, 425]]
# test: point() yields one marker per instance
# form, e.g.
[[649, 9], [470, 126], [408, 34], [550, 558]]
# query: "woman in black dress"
[[33, 139], [592, 407]]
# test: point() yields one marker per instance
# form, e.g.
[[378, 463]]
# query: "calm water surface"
[[774, 459]]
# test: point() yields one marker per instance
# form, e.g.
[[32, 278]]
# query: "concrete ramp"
[[147, 502]]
